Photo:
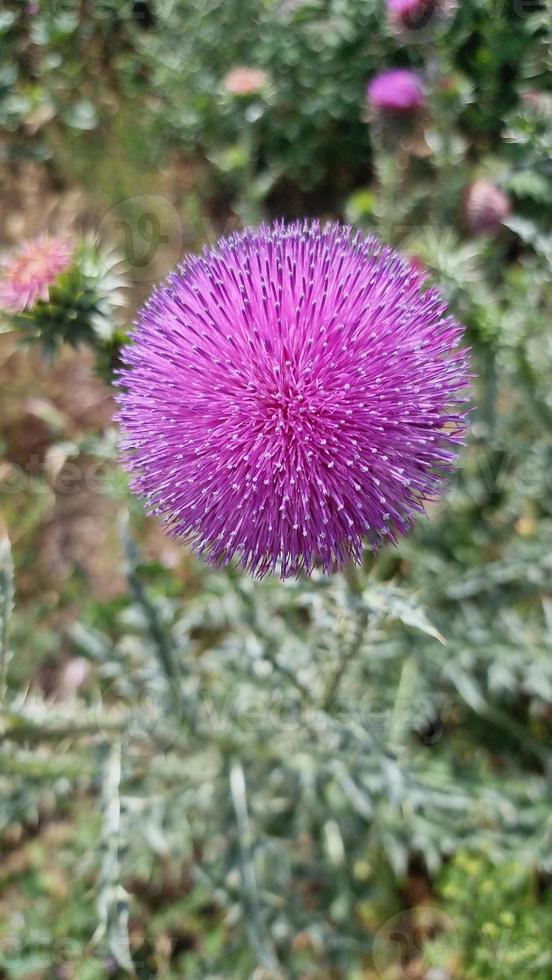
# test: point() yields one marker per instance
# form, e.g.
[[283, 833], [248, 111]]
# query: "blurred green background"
[[206, 777]]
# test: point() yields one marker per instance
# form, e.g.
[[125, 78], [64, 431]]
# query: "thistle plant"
[[281, 758], [29, 275], [57, 291]]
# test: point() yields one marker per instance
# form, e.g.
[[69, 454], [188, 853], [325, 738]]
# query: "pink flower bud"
[[396, 91], [244, 81], [28, 274], [485, 207], [410, 14]]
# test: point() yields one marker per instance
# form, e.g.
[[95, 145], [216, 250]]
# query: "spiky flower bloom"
[[396, 91], [290, 394], [29, 273], [244, 81], [67, 293], [485, 207]]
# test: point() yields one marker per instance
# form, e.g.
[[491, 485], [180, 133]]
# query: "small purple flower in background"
[[396, 91], [485, 207], [289, 394], [410, 13], [27, 275], [245, 81]]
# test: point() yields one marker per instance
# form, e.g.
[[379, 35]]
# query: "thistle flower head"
[[409, 13], [395, 91], [28, 274], [243, 80], [290, 394], [485, 207], [55, 293]]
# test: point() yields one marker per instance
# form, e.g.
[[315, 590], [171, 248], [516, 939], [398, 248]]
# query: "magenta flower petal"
[[396, 90], [291, 394]]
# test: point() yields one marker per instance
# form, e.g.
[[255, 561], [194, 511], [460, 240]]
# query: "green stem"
[[31, 765], [406, 691], [387, 173], [112, 899], [6, 606], [253, 917], [353, 579], [17, 729], [161, 642], [248, 206]]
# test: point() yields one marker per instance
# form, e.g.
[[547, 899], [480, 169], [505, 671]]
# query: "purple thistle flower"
[[396, 90], [290, 393], [410, 12]]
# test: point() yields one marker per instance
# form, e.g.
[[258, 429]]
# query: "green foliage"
[[493, 44], [318, 57], [499, 924], [161, 66], [263, 776], [6, 605]]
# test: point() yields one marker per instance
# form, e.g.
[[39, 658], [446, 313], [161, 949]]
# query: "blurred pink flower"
[[396, 90], [485, 207], [29, 272], [417, 265], [409, 13], [539, 101], [75, 673], [243, 80]]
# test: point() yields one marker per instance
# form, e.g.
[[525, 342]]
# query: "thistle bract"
[[291, 394]]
